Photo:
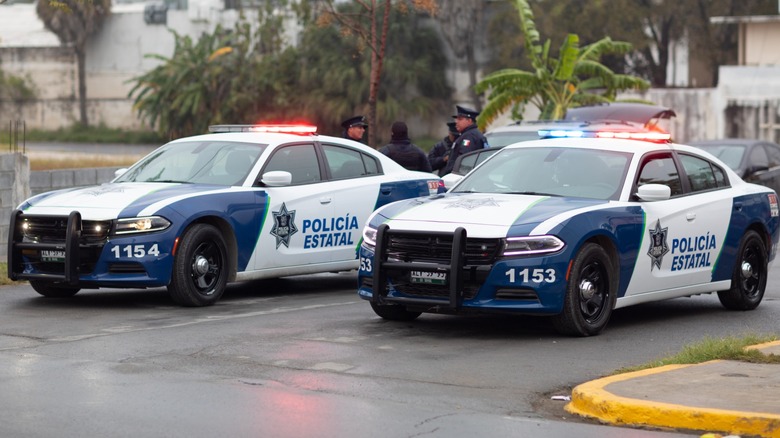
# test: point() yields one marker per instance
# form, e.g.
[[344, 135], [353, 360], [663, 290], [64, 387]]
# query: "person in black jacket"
[[471, 139], [403, 151], [440, 153]]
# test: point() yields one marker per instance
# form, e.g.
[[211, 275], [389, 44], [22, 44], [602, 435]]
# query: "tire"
[[394, 312], [200, 268], [748, 282], [591, 293], [53, 290]]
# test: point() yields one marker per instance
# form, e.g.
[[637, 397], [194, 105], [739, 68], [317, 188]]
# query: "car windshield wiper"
[[534, 193], [168, 181]]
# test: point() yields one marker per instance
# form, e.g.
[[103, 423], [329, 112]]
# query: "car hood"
[[483, 214], [108, 201]]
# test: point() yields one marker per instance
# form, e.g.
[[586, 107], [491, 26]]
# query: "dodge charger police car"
[[198, 212], [573, 228]]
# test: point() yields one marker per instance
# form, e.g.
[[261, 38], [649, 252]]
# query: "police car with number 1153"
[[245, 202], [573, 228]]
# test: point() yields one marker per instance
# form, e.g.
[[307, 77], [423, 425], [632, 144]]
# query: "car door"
[[684, 235], [357, 186], [773, 174], [291, 209]]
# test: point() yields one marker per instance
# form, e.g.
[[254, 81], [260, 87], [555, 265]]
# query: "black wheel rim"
[[206, 267], [751, 271], [593, 289]]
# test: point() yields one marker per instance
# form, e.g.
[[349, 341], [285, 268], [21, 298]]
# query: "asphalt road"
[[304, 357]]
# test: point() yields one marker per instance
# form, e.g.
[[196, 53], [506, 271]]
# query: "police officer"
[[403, 151], [439, 154], [354, 128], [471, 139]]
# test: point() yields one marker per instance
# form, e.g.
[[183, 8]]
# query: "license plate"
[[427, 277], [52, 256]]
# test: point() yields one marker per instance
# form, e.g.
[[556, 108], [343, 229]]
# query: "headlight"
[[141, 224], [518, 246], [369, 236]]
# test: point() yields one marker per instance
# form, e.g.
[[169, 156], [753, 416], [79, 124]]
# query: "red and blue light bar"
[[654, 136], [300, 129]]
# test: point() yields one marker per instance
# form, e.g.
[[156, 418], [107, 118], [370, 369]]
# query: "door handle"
[[690, 217], [325, 200], [738, 206], [386, 190]]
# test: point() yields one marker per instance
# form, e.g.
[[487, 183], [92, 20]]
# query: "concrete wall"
[[18, 183], [14, 188]]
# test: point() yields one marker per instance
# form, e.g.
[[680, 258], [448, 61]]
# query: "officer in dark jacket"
[[471, 139], [354, 128], [403, 151], [440, 152]]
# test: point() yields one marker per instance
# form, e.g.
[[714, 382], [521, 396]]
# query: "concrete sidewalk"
[[722, 396]]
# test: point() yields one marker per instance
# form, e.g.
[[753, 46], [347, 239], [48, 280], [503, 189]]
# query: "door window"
[[700, 173], [660, 169], [300, 160]]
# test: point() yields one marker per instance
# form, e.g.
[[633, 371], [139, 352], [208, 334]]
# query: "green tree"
[[574, 78], [192, 89], [368, 22], [74, 21], [334, 78]]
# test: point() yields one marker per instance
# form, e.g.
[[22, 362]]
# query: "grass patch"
[[730, 348], [4, 280], [84, 134]]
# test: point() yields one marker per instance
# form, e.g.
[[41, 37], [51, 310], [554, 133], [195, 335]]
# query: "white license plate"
[[52, 256], [427, 277]]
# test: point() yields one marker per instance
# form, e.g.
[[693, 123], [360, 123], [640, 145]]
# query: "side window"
[[467, 163], [344, 162], [700, 173], [372, 165], [300, 160], [660, 169], [774, 155], [758, 157]]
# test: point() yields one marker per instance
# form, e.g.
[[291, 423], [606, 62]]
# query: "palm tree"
[[74, 21], [576, 77]]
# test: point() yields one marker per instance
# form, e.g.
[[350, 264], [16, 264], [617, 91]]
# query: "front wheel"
[[748, 281], [51, 289], [200, 267], [590, 294], [394, 312]]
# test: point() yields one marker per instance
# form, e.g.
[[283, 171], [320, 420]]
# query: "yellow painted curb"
[[762, 346], [592, 400]]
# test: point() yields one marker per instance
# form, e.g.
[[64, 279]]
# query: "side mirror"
[[755, 170], [277, 178], [654, 192]]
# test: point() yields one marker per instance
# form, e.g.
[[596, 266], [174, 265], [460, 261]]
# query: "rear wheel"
[[750, 273], [394, 312], [200, 267], [53, 290], [590, 294]]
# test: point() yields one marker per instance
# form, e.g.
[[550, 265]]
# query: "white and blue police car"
[[573, 228], [245, 202]]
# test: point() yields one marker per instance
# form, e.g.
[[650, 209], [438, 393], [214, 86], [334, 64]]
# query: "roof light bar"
[[644, 136], [286, 129]]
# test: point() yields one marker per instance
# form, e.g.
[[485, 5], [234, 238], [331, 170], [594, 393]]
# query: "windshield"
[[551, 171], [206, 162], [731, 154]]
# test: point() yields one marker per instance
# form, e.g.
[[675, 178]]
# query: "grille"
[[52, 230], [469, 290], [438, 249]]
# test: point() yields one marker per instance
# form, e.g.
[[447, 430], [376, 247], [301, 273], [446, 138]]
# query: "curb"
[[592, 400]]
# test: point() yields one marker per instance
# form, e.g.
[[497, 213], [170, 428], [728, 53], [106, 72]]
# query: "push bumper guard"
[[16, 244], [454, 269]]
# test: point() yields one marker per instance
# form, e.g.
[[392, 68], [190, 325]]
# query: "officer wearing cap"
[[439, 154], [354, 128], [470, 139]]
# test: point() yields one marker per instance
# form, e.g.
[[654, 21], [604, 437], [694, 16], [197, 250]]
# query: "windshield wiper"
[[533, 193]]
